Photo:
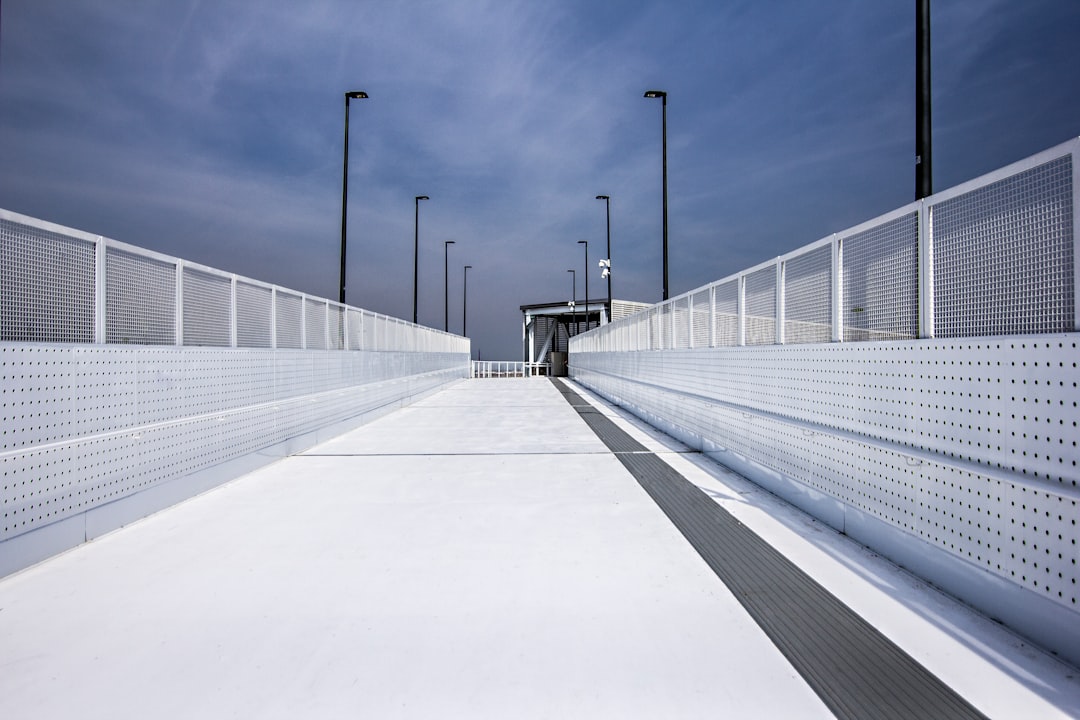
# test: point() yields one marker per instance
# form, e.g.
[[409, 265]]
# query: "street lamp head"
[[468, 267], [655, 94], [583, 242], [422, 197], [603, 197], [356, 95], [450, 242]]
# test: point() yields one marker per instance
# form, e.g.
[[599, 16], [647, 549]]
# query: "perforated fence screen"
[[289, 320], [726, 320], [253, 315], [207, 303], [881, 282], [760, 317], [808, 297], [700, 305], [995, 256], [1003, 256], [47, 285], [314, 324], [60, 285], [140, 299]]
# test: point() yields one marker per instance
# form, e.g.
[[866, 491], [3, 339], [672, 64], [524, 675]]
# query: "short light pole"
[[446, 285], [416, 256], [573, 303], [354, 95], [586, 244], [465, 303], [663, 97], [607, 202]]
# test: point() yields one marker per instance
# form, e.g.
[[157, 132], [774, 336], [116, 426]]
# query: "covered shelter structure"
[[547, 327]]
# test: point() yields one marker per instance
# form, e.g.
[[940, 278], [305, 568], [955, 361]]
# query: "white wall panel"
[[86, 426], [966, 448]]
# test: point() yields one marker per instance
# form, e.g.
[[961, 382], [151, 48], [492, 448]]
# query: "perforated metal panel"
[[314, 324], [666, 337], [84, 425], [207, 308], [356, 330], [372, 323], [337, 327], [808, 297], [760, 294], [46, 285], [727, 313], [254, 304], [679, 312], [1003, 256], [970, 445], [87, 425], [702, 307], [656, 329], [140, 299], [289, 318], [881, 281]]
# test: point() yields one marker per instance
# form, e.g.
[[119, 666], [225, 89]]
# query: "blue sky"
[[213, 131]]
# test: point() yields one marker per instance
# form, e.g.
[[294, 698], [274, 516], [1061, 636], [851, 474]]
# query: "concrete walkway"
[[478, 554]]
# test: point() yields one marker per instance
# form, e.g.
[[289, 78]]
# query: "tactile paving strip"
[[857, 671]]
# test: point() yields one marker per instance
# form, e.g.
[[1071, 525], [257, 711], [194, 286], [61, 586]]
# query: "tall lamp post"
[[465, 303], [573, 304], [586, 244], [663, 97], [924, 179], [446, 285], [416, 256], [607, 202], [354, 95]]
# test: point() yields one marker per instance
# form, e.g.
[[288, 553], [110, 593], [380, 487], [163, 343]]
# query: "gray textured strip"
[[857, 671]]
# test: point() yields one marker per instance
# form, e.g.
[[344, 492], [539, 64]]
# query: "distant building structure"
[[547, 327]]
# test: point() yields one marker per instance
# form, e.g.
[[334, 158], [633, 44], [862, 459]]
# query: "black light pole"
[[446, 285], [586, 244], [416, 256], [573, 305], [663, 97], [355, 95], [607, 201], [924, 180], [465, 303]]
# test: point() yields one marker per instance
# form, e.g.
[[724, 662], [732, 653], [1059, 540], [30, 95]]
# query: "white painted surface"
[[478, 554], [994, 669]]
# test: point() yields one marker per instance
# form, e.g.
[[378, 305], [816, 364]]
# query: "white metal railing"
[[509, 368], [951, 449], [993, 256], [58, 284]]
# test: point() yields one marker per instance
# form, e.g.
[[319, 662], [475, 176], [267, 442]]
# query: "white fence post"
[[273, 317], [101, 288], [741, 303], [232, 312], [780, 267], [926, 270], [837, 289], [178, 313]]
